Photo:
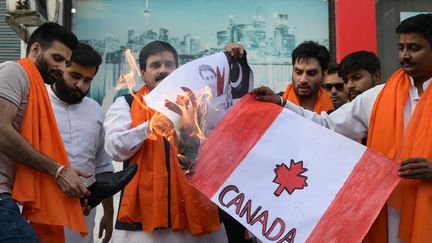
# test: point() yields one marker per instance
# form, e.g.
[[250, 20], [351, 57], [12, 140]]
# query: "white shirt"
[[81, 128], [352, 120]]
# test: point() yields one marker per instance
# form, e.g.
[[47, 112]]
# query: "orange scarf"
[[44, 204], [145, 198], [386, 135], [323, 102]]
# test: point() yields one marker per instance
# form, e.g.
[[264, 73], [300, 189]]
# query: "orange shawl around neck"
[[323, 102], [386, 135], [146, 198], [44, 204]]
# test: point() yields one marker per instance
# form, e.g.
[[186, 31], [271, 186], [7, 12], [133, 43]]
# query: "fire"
[[161, 125], [192, 110], [128, 79], [188, 133]]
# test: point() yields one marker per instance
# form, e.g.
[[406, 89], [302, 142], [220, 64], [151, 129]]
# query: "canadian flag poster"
[[287, 179]]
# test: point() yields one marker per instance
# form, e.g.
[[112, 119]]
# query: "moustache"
[[404, 62], [353, 93], [52, 76], [304, 86], [77, 91], [161, 76]]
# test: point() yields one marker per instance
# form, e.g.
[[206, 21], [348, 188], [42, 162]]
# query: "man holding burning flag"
[[158, 204]]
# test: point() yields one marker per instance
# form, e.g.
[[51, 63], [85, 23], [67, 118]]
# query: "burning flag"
[[196, 96], [287, 179], [218, 78]]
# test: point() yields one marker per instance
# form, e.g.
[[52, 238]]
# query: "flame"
[[128, 79], [162, 125], [188, 133], [192, 110]]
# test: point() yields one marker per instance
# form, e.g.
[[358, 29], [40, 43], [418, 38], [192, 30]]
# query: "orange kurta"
[[323, 102], [386, 135], [146, 197], [44, 204]]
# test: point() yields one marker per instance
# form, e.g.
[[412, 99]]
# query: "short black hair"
[[153, 48], [421, 23], [359, 60], [86, 56], [332, 69], [311, 49], [49, 32]]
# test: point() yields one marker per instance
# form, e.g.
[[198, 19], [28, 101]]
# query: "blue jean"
[[13, 226]]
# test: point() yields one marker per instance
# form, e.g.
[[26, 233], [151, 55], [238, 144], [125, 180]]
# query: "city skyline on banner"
[[269, 30]]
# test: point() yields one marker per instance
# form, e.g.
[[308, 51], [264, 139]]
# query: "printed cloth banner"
[[227, 80], [287, 179]]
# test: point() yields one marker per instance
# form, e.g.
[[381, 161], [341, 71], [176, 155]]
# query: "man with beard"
[[80, 122], [158, 205], [42, 180], [335, 87], [360, 71], [310, 60], [396, 117]]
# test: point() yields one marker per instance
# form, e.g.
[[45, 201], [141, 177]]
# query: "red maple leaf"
[[289, 179]]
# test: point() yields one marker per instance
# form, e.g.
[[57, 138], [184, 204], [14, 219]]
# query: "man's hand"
[[70, 183], [266, 94], [416, 168], [235, 50], [106, 224]]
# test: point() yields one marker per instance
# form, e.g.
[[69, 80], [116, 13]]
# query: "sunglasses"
[[329, 87]]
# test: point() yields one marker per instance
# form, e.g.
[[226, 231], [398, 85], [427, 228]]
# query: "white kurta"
[[352, 120], [122, 142], [81, 128]]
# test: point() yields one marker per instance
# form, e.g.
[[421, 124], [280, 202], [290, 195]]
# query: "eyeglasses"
[[329, 87]]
